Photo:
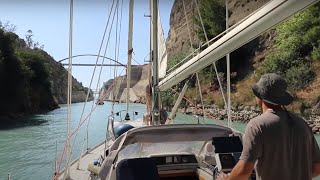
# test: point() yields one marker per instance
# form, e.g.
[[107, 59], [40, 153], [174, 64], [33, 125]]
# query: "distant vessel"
[[99, 103]]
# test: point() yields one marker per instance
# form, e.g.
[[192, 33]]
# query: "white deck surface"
[[82, 173]]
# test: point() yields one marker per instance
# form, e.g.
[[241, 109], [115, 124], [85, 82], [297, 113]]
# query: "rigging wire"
[[214, 64], [190, 39], [199, 86], [190, 101], [228, 73], [93, 74], [100, 72], [90, 80], [136, 61], [117, 57], [77, 129], [213, 39], [113, 87], [116, 51], [189, 32]]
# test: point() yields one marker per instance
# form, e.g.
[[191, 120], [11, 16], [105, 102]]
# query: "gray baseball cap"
[[272, 88]]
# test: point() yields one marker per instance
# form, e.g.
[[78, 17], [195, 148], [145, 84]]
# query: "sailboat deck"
[[94, 153], [82, 173]]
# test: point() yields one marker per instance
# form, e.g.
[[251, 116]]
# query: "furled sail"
[[162, 50]]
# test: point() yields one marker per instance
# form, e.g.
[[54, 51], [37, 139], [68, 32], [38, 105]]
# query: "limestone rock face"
[[132, 96], [178, 38], [178, 41], [118, 87], [241, 8]]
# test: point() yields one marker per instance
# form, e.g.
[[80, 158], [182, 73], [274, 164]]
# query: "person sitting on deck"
[[147, 118], [279, 143]]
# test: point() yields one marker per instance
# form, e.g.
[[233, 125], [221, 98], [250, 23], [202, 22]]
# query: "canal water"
[[28, 153]]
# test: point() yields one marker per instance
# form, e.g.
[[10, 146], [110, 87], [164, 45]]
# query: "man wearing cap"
[[278, 143]]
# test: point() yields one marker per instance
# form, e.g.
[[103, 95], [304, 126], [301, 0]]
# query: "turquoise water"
[[28, 153]]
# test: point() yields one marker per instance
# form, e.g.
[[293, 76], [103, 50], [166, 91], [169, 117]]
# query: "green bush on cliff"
[[168, 97], [297, 39], [213, 14], [24, 76], [176, 59], [34, 61], [11, 75], [299, 76], [316, 54]]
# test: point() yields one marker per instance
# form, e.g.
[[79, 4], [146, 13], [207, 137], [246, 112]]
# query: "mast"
[[155, 78], [130, 50], [228, 72], [69, 100]]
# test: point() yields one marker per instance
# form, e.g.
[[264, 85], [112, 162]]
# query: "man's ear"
[[259, 102]]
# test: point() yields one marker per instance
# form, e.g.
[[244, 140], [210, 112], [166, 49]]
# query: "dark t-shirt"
[[283, 146]]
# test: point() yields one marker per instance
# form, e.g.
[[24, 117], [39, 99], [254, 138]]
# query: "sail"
[[162, 50]]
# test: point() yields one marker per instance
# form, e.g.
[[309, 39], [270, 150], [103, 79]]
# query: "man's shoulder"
[[269, 118], [296, 116], [260, 119], [299, 119]]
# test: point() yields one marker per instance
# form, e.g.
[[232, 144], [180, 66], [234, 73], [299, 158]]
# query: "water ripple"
[[28, 152]]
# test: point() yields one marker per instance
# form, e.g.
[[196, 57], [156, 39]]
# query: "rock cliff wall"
[[58, 76], [118, 87], [239, 9], [33, 82], [178, 41], [178, 37]]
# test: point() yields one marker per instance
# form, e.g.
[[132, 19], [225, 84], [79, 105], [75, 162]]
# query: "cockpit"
[[174, 152]]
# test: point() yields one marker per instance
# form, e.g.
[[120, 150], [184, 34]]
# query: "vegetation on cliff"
[[24, 77], [31, 80], [295, 55], [290, 49], [296, 48], [213, 14]]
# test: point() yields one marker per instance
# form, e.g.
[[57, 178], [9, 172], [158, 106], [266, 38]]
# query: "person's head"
[[264, 105], [271, 91]]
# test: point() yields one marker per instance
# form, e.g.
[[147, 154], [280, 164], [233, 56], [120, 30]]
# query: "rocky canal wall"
[[243, 114]]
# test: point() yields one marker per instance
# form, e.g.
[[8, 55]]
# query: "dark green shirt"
[[282, 145]]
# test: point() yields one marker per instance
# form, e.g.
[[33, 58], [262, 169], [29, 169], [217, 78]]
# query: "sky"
[[49, 22]]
